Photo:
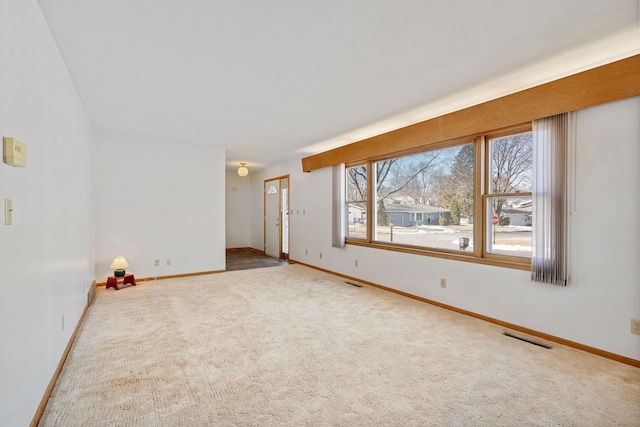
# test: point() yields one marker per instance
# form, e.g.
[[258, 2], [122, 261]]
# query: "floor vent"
[[527, 339], [353, 284]]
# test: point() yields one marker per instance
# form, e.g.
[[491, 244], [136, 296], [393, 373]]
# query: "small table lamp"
[[119, 264]]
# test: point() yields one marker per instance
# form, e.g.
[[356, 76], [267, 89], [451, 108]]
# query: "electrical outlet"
[[157, 263], [306, 251], [168, 261], [635, 326], [356, 263], [443, 282], [320, 255]]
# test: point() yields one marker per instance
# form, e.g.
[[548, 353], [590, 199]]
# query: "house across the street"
[[519, 214], [407, 215]]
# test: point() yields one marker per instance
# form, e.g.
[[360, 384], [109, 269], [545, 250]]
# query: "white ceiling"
[[273, 80]]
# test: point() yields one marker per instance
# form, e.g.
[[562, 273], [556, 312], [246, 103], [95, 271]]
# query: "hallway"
[[245, 259]]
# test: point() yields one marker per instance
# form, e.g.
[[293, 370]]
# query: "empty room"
[[349, 213]]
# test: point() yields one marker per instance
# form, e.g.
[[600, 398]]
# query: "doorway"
[[276, 217]]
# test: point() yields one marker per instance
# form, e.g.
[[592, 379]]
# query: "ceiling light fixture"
[[242, 170]]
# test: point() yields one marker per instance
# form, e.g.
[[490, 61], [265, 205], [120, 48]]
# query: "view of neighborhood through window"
[[426, 200], [509, 205]]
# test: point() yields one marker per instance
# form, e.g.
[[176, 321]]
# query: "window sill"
[[517, 263]]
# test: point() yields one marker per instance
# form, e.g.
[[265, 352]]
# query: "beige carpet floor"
[[291, 346]]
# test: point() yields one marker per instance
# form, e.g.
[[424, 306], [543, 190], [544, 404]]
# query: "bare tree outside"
[[357, 183], [408, 175], [511, 163]]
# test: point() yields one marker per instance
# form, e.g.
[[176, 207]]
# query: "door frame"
[[282, 255]]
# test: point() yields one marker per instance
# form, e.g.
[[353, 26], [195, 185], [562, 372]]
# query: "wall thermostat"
[[15, 152]]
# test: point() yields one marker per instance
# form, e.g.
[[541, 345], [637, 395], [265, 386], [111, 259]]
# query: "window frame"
[[482, 172], [486, 195], [347, 202]]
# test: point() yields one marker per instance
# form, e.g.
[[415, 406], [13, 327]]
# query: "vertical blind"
[[337, 207], [549, 192]]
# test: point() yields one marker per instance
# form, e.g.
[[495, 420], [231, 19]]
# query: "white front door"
[[284, 213], [272, 218]]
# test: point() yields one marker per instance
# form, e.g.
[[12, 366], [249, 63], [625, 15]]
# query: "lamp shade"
[[119, 263], [242, 170]]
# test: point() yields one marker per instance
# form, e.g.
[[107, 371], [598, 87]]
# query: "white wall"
[[604, 246], [159, 200], [237, 210], [46, 256]]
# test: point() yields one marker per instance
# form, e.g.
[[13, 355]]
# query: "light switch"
[[8, 212]]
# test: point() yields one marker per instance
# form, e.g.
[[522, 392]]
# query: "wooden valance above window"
[[608, 83]]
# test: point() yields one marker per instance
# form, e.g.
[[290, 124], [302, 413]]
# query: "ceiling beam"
[[607, 83]]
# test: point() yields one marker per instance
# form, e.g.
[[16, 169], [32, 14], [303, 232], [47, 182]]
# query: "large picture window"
[[426, 199], [466, 199]]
